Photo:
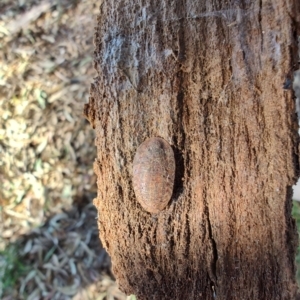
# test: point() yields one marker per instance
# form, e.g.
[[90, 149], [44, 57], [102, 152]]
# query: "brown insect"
[[153, 174]]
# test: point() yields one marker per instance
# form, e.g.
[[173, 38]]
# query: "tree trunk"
[[213, 79]]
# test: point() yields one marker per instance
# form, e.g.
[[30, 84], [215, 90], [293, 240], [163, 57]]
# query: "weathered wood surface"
[[209, 78]]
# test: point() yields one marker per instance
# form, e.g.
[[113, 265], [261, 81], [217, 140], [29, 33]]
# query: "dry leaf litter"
[[47, 150]]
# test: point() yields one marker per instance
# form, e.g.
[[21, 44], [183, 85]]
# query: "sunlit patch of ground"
[[47, 148], [49, 240]]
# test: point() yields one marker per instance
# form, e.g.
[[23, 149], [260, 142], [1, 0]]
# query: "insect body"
[[153, 174]]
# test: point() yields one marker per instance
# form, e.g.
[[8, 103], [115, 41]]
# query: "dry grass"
[[46, 145], [47, 151]]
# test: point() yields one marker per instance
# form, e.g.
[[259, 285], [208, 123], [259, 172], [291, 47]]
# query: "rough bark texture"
[[212, 78]]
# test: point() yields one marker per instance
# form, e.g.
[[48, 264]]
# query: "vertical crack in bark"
[[260, 25], [213, 265]]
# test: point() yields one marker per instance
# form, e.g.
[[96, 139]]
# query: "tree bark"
[[212, 78]]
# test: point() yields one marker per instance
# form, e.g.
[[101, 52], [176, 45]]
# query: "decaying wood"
[[212, 79]]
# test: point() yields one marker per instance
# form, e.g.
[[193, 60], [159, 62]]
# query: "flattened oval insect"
[[154, 174]]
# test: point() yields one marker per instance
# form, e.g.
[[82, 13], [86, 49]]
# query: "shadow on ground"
[[62, 259]]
